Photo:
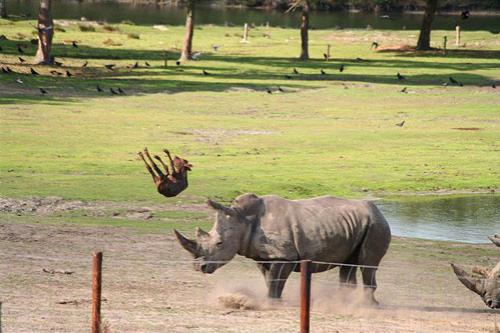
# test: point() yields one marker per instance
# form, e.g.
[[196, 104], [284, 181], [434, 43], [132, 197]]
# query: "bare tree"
[[187, 47], [3, 9], [45, 33], [304, 26], [424, 39]]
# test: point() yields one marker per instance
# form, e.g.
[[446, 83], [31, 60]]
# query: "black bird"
[[359, 59], [147, 64], [205, 72], [465, 14], [374, 45], [400, 77], [9, 70], [341, 69], [34, 72], [494, 86], [136, 65], [57, 63], [99, 89], [19, 49], [68, 74], [5, 71], [85, 64], [281, 89], [111, 90], [56, 73], [215, 47], [295, 71], [269, 91], [401, 124], [404, 90], [178, 63], [109, 66], [43, 91], [21, 60], [288, 76], [1, 49], [323, 72], [325, 56], [453, 81], [74, 44], [120, 90]]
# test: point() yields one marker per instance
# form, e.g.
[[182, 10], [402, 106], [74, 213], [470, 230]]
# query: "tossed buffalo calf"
[[270, 228], [487, 285]]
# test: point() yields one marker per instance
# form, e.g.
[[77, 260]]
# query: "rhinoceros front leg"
[[275, 276], [370, 284]]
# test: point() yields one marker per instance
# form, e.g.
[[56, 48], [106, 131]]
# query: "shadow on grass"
[[451, 53]]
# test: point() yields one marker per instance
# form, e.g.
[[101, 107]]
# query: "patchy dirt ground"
[[148, 287]]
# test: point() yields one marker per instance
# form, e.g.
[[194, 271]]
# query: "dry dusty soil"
[[149, 287]]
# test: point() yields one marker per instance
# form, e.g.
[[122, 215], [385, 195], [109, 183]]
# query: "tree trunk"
[[424, 39], [187, 47], [304, 31], [3, 9], [45, 33]]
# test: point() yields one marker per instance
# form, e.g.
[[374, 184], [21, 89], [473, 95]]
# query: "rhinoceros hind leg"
[[370, 284]]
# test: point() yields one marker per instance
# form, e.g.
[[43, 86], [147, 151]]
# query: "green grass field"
[[325, 134]]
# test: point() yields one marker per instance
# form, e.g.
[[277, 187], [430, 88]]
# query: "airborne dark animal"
[[34, 72], [172, 183], [400, 77]]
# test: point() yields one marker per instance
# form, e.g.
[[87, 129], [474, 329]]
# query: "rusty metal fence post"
[[305, 295], [96, 292]]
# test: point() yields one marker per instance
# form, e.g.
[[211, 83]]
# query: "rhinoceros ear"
[[186, 243], [467, 280], [218, 206], [495, 239]]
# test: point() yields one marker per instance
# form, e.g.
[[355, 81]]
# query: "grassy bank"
[[325, 134]]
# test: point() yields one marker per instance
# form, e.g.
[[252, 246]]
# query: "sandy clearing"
[[148, 290]]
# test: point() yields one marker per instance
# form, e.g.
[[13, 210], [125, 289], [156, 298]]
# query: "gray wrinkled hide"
[[324, 229], [486, 286]]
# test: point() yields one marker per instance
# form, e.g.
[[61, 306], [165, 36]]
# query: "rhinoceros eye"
[[219, 243]]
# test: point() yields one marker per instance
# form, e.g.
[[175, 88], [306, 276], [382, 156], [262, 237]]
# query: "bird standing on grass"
[[400, 77], [120, 90], [53, 72], [453, 81], [401, 124], [99, 89], [109, 66], [111, 90], [43, 91], [68, 74], [404, 90], [19, 49], [323, 72], [269, 91], [136, 65], [374, 45], [34, 72], [205, 72], [341, 69], [21, 60], [85, 64], [74, 44], [295, 71], [147, 63]]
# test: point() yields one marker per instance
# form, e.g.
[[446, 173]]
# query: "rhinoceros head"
[[215, 248], [488, 285]]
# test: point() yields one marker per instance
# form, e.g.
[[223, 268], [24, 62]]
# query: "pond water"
[[154, 14], [465, 219]]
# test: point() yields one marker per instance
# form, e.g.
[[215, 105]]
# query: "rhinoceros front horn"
[[467, 280], [186, 243]]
